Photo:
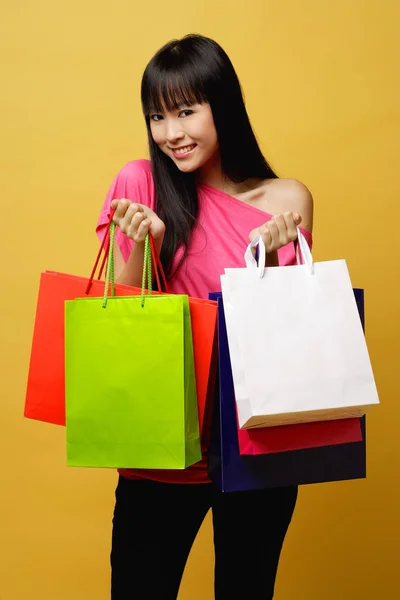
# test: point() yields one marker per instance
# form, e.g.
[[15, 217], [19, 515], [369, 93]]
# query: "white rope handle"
[[303, 254], [249, 259]]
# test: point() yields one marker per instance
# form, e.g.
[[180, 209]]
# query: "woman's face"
[[187, 135]]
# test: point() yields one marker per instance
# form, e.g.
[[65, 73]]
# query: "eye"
[[156, 117], [186, 113]]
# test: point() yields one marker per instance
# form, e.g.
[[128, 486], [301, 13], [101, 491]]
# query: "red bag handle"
[[157, 266], [102, 247]]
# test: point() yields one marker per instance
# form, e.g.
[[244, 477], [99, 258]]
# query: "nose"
[[174, 131]]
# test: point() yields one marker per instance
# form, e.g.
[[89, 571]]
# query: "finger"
[[133, 224], [143, 230], [267, 239], [270, 235], [133, 209], [121, 208], [254, 233], [128, 219], [273, 227], [280, 222], [297, 218], [291, 226]]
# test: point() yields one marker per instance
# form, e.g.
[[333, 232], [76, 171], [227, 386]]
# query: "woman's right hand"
[[136, 220]]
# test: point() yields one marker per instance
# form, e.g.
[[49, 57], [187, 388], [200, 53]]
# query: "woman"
[[206, 191]]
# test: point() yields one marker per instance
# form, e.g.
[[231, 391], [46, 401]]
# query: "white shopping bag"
[[296, 343]]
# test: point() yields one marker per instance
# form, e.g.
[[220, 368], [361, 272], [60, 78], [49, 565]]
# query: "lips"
[[183, 150]]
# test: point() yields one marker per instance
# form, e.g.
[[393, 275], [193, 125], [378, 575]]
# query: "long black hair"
[[195, 70]]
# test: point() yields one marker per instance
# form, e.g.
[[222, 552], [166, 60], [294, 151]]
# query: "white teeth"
[[185, 150]]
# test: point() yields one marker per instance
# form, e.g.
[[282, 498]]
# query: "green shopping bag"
[[130, 381]]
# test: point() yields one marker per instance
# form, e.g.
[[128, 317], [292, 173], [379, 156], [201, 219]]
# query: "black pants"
[[155, 525]]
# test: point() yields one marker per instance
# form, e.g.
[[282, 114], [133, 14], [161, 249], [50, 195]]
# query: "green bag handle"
[[110, 274]]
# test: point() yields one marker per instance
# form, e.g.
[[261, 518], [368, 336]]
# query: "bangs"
[[168, 89]]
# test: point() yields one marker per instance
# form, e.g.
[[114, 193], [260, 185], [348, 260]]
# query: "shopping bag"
[[232, 471], [203, 314], [130, 382], [281, 438], [297, 347], [45, 392], [268, 440]]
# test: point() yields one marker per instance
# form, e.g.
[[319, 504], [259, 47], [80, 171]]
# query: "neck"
[[211, 174]]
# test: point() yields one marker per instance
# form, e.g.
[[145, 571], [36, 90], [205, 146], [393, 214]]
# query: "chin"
[[188, 166]]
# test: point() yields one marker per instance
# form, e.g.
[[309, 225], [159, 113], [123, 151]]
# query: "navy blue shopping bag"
[[232, 472]]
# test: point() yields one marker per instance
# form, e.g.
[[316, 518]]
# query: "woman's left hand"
[[279, 231]]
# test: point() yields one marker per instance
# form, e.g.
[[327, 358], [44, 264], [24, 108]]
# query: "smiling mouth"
[[183, 149]]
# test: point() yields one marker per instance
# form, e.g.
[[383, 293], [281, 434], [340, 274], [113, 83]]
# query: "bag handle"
[[106, 253], [147, 268], [249, 258], [303, 254], [158, 268], [110, 274]]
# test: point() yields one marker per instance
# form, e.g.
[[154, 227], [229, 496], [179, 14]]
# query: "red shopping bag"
[[45, 395], [204, 330], [285, 438]]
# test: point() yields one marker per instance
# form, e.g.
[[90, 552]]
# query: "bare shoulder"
[[290, 195]]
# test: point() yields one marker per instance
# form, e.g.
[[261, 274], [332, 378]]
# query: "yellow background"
[[322, 89]]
